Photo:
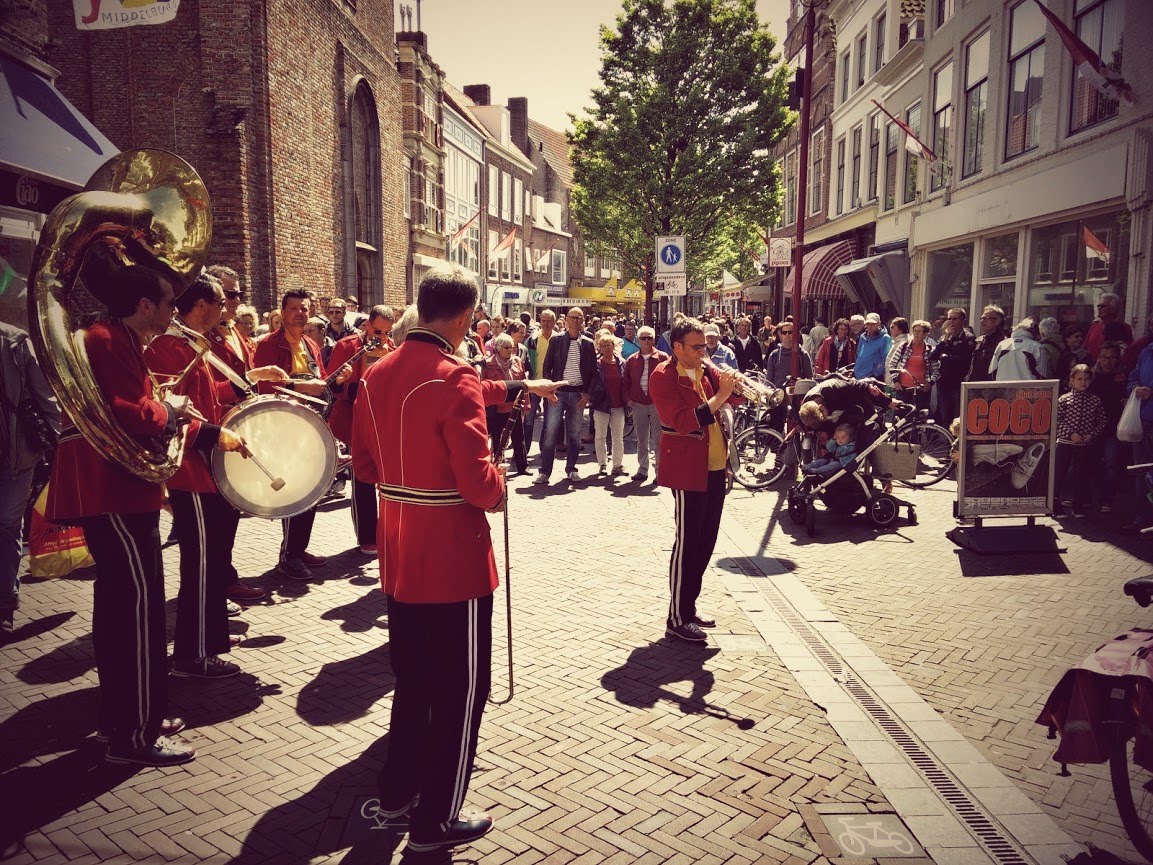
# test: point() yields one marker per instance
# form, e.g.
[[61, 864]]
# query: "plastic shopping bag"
[[1129, 427], [54, 550]]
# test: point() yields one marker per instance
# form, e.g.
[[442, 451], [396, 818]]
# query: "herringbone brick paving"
[[618, 746], [982, 639]]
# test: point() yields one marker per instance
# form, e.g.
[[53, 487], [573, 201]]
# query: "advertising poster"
[[1008, 435]]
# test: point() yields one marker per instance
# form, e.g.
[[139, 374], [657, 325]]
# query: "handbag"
[[1129, 428]]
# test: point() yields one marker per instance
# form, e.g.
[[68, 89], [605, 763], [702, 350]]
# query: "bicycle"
[[935, 445]]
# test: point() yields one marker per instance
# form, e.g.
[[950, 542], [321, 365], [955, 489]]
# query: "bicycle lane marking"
[[904, 753]]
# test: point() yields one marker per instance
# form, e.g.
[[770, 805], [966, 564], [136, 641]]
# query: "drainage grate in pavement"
[[979, 822]]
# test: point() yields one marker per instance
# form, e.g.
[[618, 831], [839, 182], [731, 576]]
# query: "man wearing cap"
[[872, 349], [719, 353]]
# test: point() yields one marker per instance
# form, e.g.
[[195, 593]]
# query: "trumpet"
[[768, 395]]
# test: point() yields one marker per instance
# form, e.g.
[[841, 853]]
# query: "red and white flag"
[[1102, 78], [459, 234], [913, 144], [502, 249], [1094, 246]]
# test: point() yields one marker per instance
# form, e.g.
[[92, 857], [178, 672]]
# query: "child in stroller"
[[841, 449]]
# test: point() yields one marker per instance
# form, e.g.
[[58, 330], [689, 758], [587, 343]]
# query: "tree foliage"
[[692, 98]]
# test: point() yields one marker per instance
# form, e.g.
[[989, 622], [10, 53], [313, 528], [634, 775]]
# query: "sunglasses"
[[784, 332], [239, 294], [695, 346], [648, 338]]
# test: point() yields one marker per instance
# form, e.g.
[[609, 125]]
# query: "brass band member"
[[120, 514], [420, 432], [693, 462], [204, 522]]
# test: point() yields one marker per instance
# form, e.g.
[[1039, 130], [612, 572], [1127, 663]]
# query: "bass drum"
[[292, 442]]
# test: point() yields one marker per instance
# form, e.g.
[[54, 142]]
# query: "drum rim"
[[265, 402]]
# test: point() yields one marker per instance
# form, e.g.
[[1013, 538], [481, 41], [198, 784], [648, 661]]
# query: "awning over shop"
[[42, 136], [818, 280], [887, 274]]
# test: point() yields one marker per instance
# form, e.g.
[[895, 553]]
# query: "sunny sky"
[[545, 50]]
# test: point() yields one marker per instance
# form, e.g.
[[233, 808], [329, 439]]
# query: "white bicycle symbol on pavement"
[[370, 810], [859, 837]]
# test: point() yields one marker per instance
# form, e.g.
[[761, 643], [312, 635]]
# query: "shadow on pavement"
[[1015, 565], [363, 614], [638, 681], [49, 726], [36, 627], [36, 796], [1097, 856], [346, 690]]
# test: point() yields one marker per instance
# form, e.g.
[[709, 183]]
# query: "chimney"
[[518, 120], [481, 94]]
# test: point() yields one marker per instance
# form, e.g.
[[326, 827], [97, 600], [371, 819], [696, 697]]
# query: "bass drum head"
[[292, 442]]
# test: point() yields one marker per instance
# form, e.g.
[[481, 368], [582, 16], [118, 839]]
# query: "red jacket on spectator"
[[1095, 338], [821, 361], [634, 369], [344, 395], [84, 483]]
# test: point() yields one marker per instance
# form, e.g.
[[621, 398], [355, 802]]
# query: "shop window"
[[1072, 263], [942, 124], [874, 125], [840, 177], [999, 272], [950, 280]]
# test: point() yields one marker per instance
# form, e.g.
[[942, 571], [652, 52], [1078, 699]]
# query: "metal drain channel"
[[979, 822]]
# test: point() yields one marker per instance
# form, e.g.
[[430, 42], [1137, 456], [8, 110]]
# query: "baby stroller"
[[860, 483]]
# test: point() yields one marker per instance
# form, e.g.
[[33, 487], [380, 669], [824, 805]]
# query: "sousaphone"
[[142, 208]]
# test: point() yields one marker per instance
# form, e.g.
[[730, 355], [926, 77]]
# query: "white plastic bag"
[[1129, 427]]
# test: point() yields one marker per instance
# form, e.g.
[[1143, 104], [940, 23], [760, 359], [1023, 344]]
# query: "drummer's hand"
[[267, 373], [310, 386], [344, 375], [230, 441], [543, 387]]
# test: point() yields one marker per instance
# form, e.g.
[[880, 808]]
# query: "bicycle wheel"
[[1133, 791], [936, 460], [761, 451]]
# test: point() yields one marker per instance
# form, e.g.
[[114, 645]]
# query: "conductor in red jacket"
[[120, 514], [693, 463], [419, 431], [296, 354]]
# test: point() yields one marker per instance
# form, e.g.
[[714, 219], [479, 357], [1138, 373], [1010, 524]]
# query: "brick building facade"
[[291, 114]]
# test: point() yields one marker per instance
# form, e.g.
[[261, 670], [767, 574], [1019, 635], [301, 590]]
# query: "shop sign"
[[28, 193], [1008, 435]]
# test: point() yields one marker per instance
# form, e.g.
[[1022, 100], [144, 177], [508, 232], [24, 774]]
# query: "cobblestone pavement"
[[618, 745]]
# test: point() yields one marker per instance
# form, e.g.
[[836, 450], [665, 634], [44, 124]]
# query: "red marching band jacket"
[[168, 355], [686, 427], [340, 419], [274, 349], [222, 348], [84, 483], [419, 431]]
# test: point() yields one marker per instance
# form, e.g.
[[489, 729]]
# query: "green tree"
[[692, 98]]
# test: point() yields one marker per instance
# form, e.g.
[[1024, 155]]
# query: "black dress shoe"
[[458, 833], [702, 622]]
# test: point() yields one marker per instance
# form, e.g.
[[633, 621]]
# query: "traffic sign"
[[671, 254], [780, 252], [670, 285]]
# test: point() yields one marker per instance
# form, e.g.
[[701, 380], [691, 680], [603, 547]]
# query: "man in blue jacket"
[[1141, 384], [872, 348]]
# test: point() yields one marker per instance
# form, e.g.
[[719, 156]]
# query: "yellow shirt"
[[541, 350], [718, 450], [300, 357]]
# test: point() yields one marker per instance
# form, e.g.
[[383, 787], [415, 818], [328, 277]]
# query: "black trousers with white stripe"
[[203, 522], [297, 534], [441, 656], [698, 521], [128, 626], [364, 512]]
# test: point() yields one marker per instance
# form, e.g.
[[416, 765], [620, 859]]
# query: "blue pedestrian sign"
[[670, 254]]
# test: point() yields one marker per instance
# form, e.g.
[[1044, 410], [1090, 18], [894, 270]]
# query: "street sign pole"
[[802, 186]]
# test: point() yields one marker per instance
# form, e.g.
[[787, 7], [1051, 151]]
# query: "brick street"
[[618, 746]]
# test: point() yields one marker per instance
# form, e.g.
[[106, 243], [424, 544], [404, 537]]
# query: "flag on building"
[[913, 143], [110, 14], [502, 249], [1094, 246], [1104, 79], [459, 234], [542, 262]]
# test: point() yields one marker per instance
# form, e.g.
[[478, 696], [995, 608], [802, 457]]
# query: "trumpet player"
[[204, 522], [693, 462], [120, 514]]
